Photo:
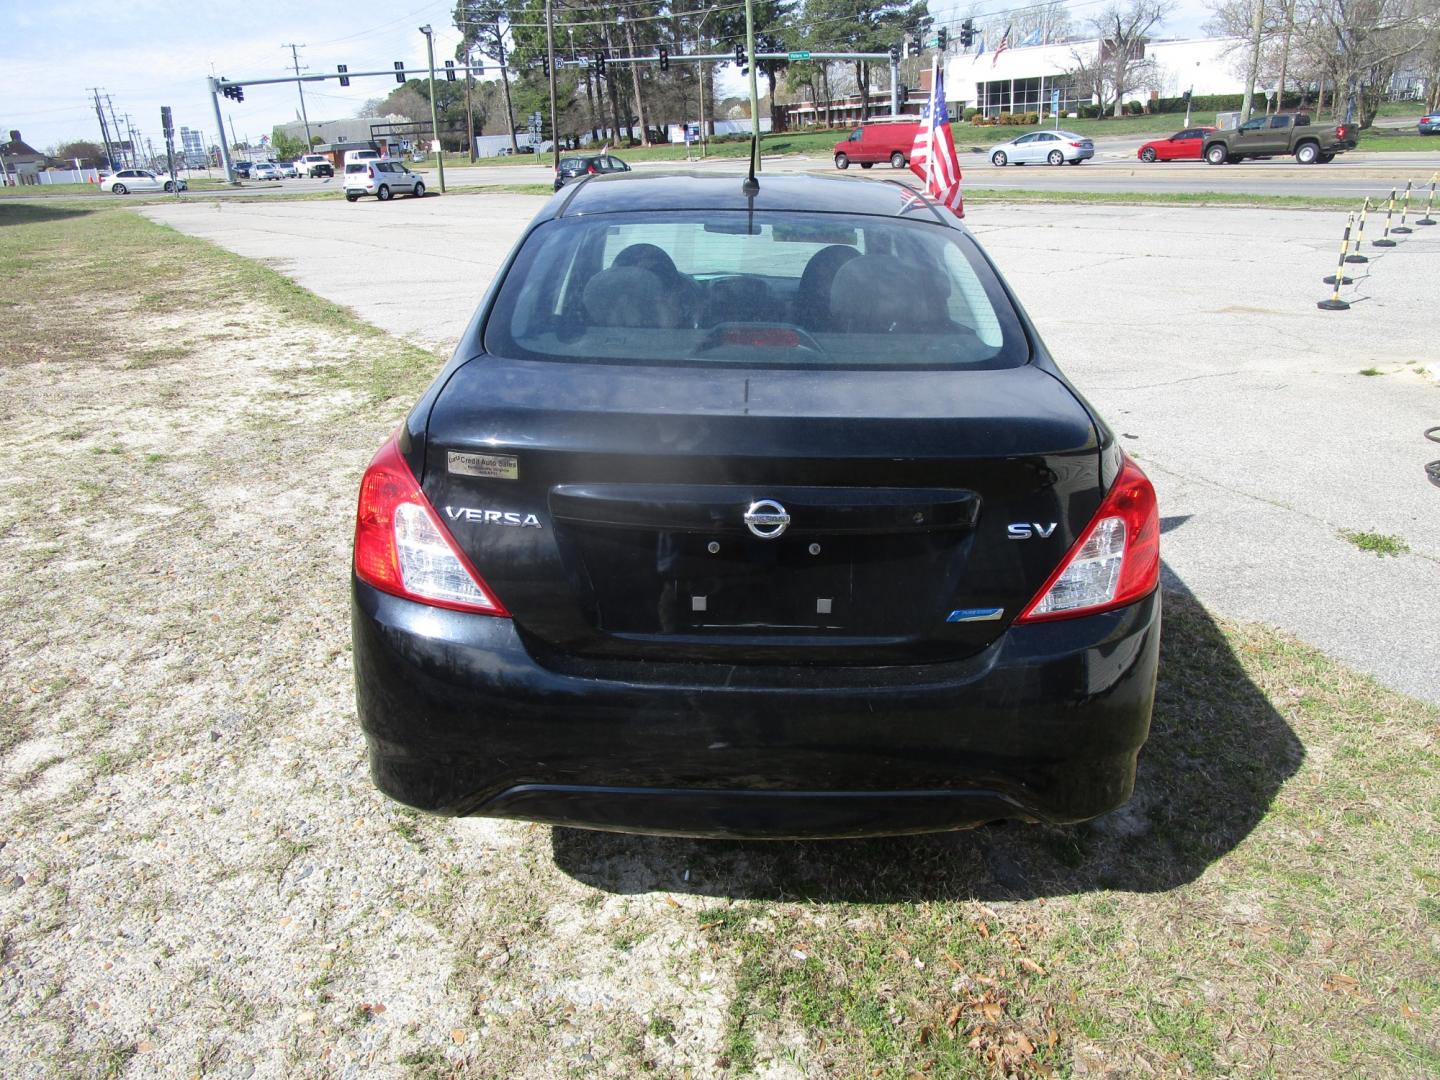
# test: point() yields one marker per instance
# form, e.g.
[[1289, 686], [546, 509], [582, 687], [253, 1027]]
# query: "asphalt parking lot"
[[1193, 330]]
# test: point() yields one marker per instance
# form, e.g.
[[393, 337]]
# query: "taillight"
[[402, 548], [1340, 132], [590, 169], [1078, 146], [1116, 560], [370, 171]]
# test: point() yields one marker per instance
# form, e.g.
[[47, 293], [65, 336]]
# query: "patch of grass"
[[1379, 543], [1371, 371], [1382, 140]]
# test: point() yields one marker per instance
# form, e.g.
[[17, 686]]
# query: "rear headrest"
[[629, 296], [874, 294]]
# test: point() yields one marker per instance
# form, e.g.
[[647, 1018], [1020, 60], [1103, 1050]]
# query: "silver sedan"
[[1050, 147]]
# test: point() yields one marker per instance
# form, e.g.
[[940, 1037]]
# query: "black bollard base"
[[1383, 243], [1357, 258], [1425, 221], [1330, 280], [1403, 230], [1333, 305]]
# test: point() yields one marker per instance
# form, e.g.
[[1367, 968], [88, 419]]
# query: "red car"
[[1184, 145]]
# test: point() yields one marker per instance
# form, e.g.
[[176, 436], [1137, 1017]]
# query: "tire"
[[419, 191], [998, 159], [383, 193], [351, 198], [1307, 153], [1055, 157], [1148, 154], [1217, 154], [897, 160], [120, 189], [841, 161], [169, 186], [867, 165]]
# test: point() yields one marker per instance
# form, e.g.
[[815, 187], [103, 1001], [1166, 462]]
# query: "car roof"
[[695, 191]]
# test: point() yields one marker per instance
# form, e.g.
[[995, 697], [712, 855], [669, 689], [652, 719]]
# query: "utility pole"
[[295, 58], [434, 117], [104, 131], [1257, 26], [1285, 51], [754, 86], [550, 63], [115, 125], [469, 109], [505, 85]]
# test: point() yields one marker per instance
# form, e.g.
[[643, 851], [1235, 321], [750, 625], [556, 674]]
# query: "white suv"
[[382, 179]]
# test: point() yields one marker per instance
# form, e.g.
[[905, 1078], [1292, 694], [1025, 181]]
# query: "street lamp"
[[434, 117]]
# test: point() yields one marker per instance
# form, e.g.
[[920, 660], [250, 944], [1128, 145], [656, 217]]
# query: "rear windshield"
[[352, 167], [770, 289]]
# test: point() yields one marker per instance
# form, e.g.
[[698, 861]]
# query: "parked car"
[[1430, 124], [573, 168], [1187, 145], [1051, 147], [264, 170], [242, 169], [754, 515], [877, 142], [383, 179], [1279, 135], [288, 169], [127, 180], [315, 165]]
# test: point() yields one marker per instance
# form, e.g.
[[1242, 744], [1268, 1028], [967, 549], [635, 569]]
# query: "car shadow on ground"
[[1217, 755], [22, 211]]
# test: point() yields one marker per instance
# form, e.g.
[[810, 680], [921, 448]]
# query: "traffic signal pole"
[[220, 126]]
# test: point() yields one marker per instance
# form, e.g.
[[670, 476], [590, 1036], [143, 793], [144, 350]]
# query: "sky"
[[145, 54]]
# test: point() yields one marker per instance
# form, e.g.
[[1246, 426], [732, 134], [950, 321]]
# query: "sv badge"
[[1023, 530]]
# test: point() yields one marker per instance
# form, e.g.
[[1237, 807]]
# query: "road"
[[1193, 330], [1115, 170]]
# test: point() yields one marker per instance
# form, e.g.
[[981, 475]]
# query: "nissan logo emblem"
[[767, 519]]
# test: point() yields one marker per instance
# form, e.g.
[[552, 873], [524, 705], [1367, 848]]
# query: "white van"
[[361, 156]]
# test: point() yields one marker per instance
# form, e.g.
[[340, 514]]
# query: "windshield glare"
[[770, 289]]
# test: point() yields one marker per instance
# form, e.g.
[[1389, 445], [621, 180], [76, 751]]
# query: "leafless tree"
[[1124, 27]]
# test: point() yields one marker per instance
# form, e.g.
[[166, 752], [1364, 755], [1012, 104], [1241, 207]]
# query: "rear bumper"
[[1043, 725]]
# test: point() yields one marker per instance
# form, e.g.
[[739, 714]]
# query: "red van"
[[877, 142]]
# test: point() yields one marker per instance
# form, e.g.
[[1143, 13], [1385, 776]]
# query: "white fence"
[[70, 176]]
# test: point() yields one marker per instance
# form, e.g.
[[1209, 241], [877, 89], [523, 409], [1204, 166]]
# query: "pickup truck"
[[1277, 136]]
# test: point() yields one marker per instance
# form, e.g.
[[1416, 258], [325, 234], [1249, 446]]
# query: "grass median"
[[179, 762]]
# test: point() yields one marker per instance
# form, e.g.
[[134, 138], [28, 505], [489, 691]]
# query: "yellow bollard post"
[[1334, 303], [1429, 203], [1360, 236], [1385, 240], [1402, 228]]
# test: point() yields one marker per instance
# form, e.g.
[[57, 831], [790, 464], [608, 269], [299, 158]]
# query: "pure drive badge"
[[493, 466]]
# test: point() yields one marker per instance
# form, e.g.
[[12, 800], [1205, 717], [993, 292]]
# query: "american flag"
[[1004, 44], [932, 157]]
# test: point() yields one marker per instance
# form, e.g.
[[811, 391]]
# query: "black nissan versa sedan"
[[758, 514]]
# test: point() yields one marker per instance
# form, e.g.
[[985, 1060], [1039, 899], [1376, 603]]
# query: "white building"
[[1022, 79]]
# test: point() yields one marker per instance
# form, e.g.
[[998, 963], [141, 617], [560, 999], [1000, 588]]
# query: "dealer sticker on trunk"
[[493, 466]]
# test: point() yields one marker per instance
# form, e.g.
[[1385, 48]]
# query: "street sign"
[[932, 43], [801, 54], [1054, 101]]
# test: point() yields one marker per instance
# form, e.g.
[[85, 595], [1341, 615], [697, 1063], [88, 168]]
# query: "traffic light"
[[236, 93], [894, 54], [740, 56], [400, 72], [942, 37], [912, 48], [967, 33], [449, 70], [1186, 94], [600, 63], [545, 65], [342, 69], [664, 59]]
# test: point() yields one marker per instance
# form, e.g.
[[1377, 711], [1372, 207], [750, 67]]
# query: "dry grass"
[[197, 878]]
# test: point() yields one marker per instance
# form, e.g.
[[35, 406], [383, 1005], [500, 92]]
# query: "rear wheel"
[[1307, 154], [897, 160], [998, 159], [351, 198], [842, 161], [1055, 157], [120, 189], [1217, 154], [1148, 154], [383, 193], [419, 189]]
